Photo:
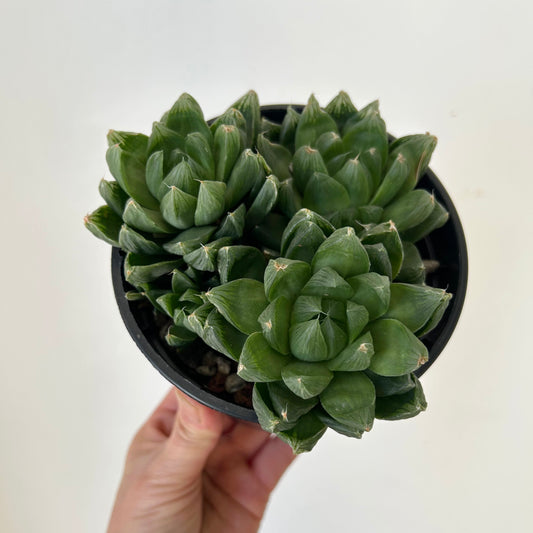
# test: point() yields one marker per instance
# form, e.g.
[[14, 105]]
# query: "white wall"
[[74, 387]]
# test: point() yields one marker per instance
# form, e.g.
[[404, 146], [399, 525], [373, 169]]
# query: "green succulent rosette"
[[180, 195], [338, 162], [328, 340], [289, 248]]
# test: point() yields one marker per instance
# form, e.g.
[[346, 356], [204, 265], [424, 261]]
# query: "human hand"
[[190, 469]]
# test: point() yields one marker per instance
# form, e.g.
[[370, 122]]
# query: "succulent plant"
[[330, 342], [288, 248], [339, 163]]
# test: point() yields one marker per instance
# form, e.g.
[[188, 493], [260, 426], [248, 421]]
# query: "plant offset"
[[288, 248]]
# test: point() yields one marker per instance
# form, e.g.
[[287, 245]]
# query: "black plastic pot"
[[446, 245]]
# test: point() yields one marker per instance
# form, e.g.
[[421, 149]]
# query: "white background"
[[74, 388]]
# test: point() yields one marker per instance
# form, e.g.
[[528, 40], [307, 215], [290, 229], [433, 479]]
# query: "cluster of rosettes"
[[287, 247]]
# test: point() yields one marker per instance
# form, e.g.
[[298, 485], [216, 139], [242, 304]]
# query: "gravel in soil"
[[213, 370]]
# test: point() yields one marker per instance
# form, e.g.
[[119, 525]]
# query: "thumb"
[[194, 435]]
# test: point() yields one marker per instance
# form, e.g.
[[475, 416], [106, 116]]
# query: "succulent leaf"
[[417, 149], [368, 214], [129, 172], [306, 308], [220, 335], [413, 270], [356, 319], [181, 282], [145, 268], [164, 139], [306, 215], [287, 405], [305, 163], [350, 399], [356, 180], [178, 336], [371, 290], [306, 380], [199, 149], [240, 302], [233, 224], [270, 130], [366, 131], [379, 259], [305, 434], [178, 208], [289, 199], [343, 252], [196, 319], [288, 128], [211, 202], [339, 427], [391, 386], [326, 282], [113, 195], [277, 157], [312, 124], [193, 296], [435, 317], [371, 159], [152, 295], [330, 145], [392, 182], [227, 149], [182, 176], [436, 219], [334, 336], [341, 109], [356, 356], [275, 321], [307, 341], [402, 406], [189, 240], [410, 210], [145, 219], [414, 305], [386, 234], [235, 262], [105, 224], [268, 418], [263, 202], [324, 195], [169, 302], [259, 362], [155, 174], [134, 143], [186, 117], [132, 241], [285, 277], [248, 105], [231, 117], [134, 296], [397, 351], [302, 241], [204, 258], [248, 171]]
